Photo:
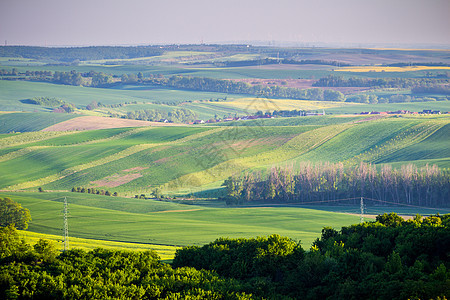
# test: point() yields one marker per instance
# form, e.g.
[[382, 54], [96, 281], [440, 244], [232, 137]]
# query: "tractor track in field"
[[116, 156], [411, 136]]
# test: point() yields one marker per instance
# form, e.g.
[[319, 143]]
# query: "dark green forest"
[[386, 259], [389, 258]]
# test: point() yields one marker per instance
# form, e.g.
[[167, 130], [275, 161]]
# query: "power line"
[[402, 204], [66, 226], [361, 218]]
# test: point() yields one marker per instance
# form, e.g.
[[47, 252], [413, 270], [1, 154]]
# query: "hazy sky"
[[110, 22]]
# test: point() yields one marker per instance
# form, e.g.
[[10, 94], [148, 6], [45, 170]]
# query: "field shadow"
[[27, 101]]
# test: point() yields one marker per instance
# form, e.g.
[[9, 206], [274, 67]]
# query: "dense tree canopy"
[[12, 212], [389, 258], [41, 272]]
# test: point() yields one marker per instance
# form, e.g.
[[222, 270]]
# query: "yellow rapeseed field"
[[255, 104], [164, 251]]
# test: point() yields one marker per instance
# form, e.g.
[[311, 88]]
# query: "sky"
[[141, 22]]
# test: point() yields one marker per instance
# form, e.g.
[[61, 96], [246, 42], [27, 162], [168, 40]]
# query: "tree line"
[[237, 87], [15, 72], [177, 115], [47, 101], [397, 82], [320, 182], [100, 79], [60, 106], [398, 98], [95, 191], [429, 64], [73, 54], [271, 61], [435, 89], [91, 78]]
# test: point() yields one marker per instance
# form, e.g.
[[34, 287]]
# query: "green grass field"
[[14, 91], [434, 147], [127, 223], [154, 222], [24, 122]]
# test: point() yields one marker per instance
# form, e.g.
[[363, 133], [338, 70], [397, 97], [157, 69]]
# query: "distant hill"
[[188, 158]]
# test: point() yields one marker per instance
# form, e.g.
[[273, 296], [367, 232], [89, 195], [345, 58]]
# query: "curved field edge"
[[25, 122]]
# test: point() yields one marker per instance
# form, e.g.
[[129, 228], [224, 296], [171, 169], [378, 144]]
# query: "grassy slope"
[[25, 122], [435, 149], [61, 160], [357, 139]]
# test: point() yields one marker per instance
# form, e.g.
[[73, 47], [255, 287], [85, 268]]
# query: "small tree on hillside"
[[12, 212], [156, 193]]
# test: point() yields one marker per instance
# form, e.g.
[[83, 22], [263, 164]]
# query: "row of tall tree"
[[177, 115], [393, 82], [91, 78], [93, 191], [398, 98], [321, 182], [15, 72]]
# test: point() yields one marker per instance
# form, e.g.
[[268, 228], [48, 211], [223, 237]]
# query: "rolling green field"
[[115, 222], [134, 161], [154, 222], [24, 122]]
